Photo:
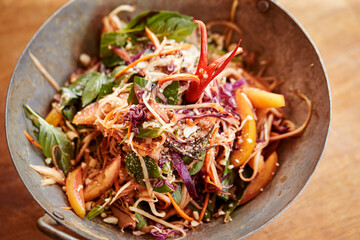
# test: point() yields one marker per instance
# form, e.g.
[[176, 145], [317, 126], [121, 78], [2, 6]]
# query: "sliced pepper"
[[75, 193], [248, 132], [264, 99], [205, 74], [262, 179]]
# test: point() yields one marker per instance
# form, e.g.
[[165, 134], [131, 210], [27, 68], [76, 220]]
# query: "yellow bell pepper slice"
[[248, 133], [75, 193], [263, 99], [262, 179], [54, 117]]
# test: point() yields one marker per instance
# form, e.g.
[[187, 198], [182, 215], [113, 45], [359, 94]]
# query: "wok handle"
[[46, 225]]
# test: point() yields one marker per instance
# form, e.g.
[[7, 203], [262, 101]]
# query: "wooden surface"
[[329, 208]]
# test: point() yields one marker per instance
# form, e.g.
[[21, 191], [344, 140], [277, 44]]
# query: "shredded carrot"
[[154, 39], [204, 207], [116, 184], [190, 124], [108, 116], [178, 209], [66, 208], [32, 140], [180, 77], [209, 163], [147, 57], [141, 147]]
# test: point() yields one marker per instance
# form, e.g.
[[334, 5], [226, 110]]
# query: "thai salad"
[[171, 126]]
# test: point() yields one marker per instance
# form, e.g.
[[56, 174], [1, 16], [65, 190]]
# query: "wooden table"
[[329, 208]]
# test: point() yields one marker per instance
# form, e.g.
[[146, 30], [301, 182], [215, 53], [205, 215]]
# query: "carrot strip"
[[141, 147], [147, 57], [190, 124], [204, 207], [66, 208], [108, 116], [32, 140], [154, 39], [178, 209], [116, 184], [180, 77]]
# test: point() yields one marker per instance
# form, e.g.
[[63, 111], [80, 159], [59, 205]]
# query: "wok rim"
[[287, 205]]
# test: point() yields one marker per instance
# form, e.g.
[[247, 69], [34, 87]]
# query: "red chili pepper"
[[204, 72]]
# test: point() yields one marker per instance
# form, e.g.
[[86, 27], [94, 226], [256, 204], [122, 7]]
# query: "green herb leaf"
[[207, 214], [92, 88], [95, 212], [68, 97], [115, 39], [50, 136], [149, 132], [133, 166], [164, 23], [142, 221], [69, 112], [171, 93], [105, 90], [139, 81], [177, 194]]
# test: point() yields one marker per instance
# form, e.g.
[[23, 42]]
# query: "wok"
[[268, 29]]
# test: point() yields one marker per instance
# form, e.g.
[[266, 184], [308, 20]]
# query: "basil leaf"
[[31, 116], [139, 81], [69, 112], [138, 22], [148, 132], [50, 136], [105, 90], [227, 182], [177, 194], [115, 39], [92, 88], [164, 23], [171, 93], [68, 97], [134, 168], [240, 191]]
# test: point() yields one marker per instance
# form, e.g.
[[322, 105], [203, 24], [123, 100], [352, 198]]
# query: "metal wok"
[[268, 29]]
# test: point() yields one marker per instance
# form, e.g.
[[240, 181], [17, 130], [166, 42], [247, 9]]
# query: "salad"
[[169, 127]]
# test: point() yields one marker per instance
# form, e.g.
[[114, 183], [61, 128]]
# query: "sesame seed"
[[249, 140], [103, 215], [221, 213], [277, 164], [231, 167], [83, 164], [231, 205], [261, 189]]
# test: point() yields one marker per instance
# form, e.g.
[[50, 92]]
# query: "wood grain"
[[328, 208]]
